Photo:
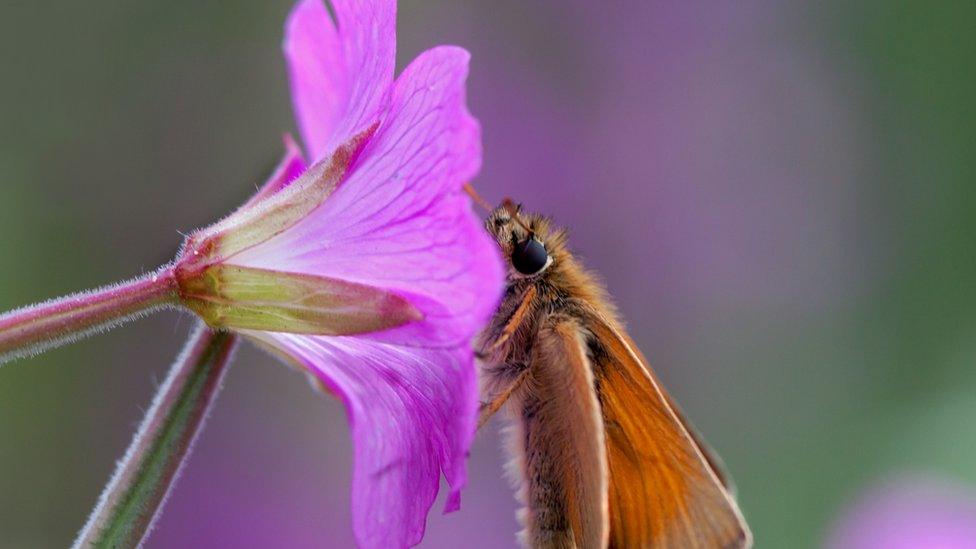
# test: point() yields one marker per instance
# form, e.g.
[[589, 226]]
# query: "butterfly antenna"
[[513, 211], [477, 198]]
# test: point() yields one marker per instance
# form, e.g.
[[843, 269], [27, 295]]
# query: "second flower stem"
[[29, 330], [135, 495]]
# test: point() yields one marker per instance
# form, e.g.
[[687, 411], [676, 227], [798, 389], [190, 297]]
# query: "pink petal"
[[400, 221], [412, 414], [340, 76]]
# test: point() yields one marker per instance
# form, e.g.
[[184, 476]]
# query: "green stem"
[[32, 329], [135, 494]]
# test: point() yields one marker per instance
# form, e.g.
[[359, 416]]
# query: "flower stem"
[[33, 329], [134, 496]]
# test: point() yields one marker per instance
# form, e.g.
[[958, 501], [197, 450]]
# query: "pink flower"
[[376, 239], [908, 513]]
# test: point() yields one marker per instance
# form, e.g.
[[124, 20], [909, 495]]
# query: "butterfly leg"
[[513, 323], [488, 409]]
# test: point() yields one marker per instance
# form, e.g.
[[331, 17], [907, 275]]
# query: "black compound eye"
[[529, 256]]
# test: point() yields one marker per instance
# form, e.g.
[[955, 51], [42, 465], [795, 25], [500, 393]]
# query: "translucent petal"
[[341, 73], [411, 412]]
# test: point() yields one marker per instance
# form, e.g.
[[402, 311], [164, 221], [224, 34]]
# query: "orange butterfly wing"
[[663, 491], [714, 460]]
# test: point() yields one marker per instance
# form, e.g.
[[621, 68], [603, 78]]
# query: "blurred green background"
[[779, 194]]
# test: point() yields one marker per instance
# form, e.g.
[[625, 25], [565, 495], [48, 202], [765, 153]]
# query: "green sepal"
[[234, 297], [259, 221]]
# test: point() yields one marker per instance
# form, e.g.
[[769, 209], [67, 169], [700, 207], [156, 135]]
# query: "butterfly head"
[[523, 238]]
